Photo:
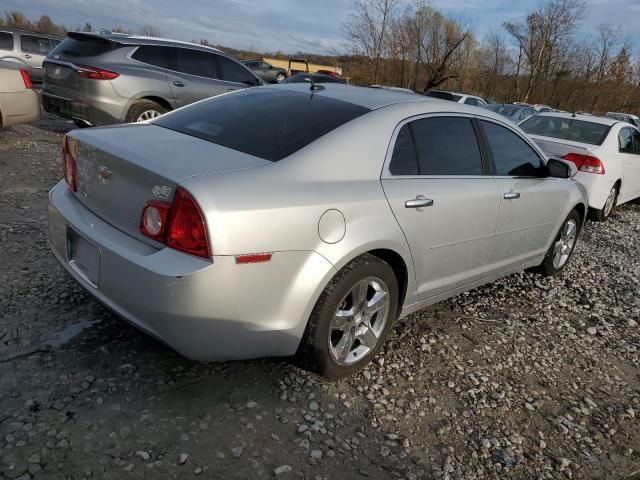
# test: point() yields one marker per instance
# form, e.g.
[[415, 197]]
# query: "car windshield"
[[566, 129], [82, 46], [265, 122]]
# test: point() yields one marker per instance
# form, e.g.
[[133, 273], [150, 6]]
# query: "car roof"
[[579, 116], [127, 39], [29, 32]]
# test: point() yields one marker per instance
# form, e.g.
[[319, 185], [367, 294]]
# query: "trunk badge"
[[161, 191], [105, 174]]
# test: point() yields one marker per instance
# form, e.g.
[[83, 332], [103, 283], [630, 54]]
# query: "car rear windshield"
[[264, 122], [443, 95], [566, 129], [83, 46]]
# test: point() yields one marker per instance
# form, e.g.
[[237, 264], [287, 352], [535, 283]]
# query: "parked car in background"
[[624, 117], [605, 151], [27, 49], [317, 78], [266, 71], [515, 113], [102, 79], [457, 97], [542, 108], [420, 212], [18, 102]]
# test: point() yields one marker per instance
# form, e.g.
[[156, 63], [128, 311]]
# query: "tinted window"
[[404, 161], [153, 55], [33, 44], [447, 146], [82, 46], [625, 141], [566, 129], [232, 71], [511, 154], [195, 62], [636, 141], [6, 41], [472, 101], [268, 123]]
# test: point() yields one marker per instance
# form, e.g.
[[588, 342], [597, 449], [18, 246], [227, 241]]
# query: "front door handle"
[[512, 195], [419, 203], [178, 84]]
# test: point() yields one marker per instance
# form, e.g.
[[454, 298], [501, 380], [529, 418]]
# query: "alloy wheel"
[[611, 200], [148, 115], [359, 321], [564, 246]]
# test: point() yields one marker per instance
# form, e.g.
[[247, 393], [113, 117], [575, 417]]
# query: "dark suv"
[[101, 79]]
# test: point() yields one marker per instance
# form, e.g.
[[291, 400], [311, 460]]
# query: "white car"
[[457, 97], [605, 151], [18, 102]]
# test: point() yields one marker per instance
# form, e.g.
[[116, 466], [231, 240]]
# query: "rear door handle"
[[418, 203], [26, 55], [512, 195], [178, 84]]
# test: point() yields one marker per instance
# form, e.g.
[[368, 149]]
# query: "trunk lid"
[[555, 148], [121, 168]]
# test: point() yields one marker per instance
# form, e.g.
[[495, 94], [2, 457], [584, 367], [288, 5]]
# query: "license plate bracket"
[[83, 257]]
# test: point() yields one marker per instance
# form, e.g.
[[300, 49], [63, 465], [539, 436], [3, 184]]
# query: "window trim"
[[386, 170]]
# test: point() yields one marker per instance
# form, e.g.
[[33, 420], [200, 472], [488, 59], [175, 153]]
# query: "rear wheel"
[[144, 110], [561, 249], [603, 215], [280, 77], [351, 319]]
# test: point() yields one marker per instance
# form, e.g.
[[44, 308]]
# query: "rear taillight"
[[179, 225], [586, 163], [26, 78], [94, 73], [69, 162]]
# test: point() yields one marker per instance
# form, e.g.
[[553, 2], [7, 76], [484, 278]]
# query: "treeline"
[[544, 58]]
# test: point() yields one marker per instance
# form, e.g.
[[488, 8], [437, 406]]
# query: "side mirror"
[[559, 169]]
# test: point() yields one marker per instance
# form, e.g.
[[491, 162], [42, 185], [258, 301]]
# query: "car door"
[[233, 75], [629, 155], [529, 199], [437, 185], [193, 76]]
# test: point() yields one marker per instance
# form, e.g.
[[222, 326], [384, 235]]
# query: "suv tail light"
[[26, 78], [586, 163], [94, 73], [179, 225], [69, 162]]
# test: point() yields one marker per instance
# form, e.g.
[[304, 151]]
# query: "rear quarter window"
[[6, 41], [264, 122], [83, 46], [563, 128]]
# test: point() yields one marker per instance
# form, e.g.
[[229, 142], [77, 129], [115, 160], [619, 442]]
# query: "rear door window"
[[196, 62], [512, 156], [447, 146], [152, 55], [268, 123], [6, 41], [33, 44], [232, 71], [625, 141]]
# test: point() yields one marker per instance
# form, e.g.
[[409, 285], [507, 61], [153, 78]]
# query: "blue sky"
[[289, 25]]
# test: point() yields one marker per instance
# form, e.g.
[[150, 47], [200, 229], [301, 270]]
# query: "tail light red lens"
[[26, 78], [94, 73], [69, 162], [586, 163], [180, 225]]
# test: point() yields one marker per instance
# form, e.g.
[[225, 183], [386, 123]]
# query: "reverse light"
[[94, 73], [69, 162], [586, 163], [26, 78], [154, 220]]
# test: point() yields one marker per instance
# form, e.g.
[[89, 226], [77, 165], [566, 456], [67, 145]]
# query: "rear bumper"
[[92, 113], [598, 188], [204, 310], [19, 107]]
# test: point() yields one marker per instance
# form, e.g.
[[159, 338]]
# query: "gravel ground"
[[527, 378]]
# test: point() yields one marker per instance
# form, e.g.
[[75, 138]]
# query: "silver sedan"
[[305, 220]]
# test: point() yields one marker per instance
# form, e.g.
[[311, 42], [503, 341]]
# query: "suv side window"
[[447, 146], [512, 155], [6, 41], [153, 55], [232, 71], [33, 44], [625, 141], [404, 160], [196, 62]]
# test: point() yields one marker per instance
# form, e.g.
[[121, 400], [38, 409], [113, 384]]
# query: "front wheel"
[[561, 250], [351, 319]]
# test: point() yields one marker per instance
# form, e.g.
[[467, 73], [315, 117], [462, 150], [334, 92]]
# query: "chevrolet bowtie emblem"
[[105, 174]]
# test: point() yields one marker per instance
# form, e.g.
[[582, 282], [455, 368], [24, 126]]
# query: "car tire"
[[143, 110], [561, 250], [604, 214], [330, 329], [280, 77]]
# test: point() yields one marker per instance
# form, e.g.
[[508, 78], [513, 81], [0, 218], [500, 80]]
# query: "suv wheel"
[[351, 319], [144, 110], [280, 77]]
